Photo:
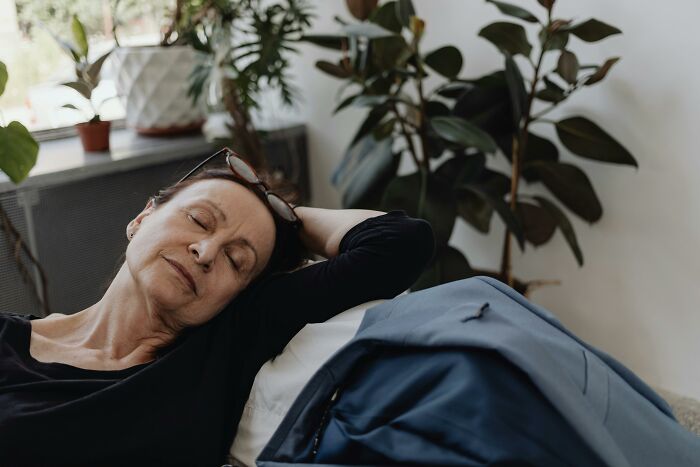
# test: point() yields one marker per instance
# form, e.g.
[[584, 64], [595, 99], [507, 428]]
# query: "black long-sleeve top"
[[183, 408]]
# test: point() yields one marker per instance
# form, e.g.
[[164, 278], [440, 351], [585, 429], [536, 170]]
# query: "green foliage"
[[87, 74], [18, 150], [250, 41], [469, 120]]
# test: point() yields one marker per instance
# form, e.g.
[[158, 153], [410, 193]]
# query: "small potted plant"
[[94, 134]]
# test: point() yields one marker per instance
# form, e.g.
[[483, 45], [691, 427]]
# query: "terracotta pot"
[[94, 136]]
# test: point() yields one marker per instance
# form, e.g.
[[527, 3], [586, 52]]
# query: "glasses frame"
[[259, 184]]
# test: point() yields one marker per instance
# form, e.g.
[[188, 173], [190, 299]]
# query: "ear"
[[135, 223]]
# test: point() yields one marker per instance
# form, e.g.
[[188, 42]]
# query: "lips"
[[183, 273]]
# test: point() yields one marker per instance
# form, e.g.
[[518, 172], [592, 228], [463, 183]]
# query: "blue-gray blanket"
[[470, 373]]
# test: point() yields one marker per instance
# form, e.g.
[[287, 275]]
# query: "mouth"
[[182, 272]]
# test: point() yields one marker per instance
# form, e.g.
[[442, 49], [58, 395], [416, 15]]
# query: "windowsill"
[[63, 160]]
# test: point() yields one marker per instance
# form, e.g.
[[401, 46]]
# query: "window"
[[37, 64]]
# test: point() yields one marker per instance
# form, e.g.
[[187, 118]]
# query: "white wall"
[[638, 295]]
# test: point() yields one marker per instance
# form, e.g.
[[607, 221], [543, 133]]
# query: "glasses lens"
[[282, 208], [241, 168]]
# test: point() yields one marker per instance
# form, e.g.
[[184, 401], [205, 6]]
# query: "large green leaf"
[[571, 186], [370, 100], [513, 10], [366, 171], [454, 90], [83, 88], [567, 66], [385, 16], [460, 169], [516, 89], [564, 225], [459, 131], [334, 42], [374, 117], [421, 196], [475, 210], [508, 37], [503, 210], [538, 224], [333, 69], [365, 147], [593, 30], [556, 40], [389, 53], [346, 102], [449, 265], [551, 92], [385, 129], [404, 11], [487, 104], [586, 139], [79, 37], [446, 60], [3, 77], [602, 71], [93, 71], [18, 151], [536, 149]]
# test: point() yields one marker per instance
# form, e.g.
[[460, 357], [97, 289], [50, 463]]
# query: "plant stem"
[[16, 244], [517, 151], [407, 135]]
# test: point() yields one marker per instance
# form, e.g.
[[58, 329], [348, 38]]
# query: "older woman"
[[157, 372]]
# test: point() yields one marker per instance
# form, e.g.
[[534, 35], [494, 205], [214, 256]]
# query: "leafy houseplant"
[[18, 154], [247, 43], [94, 134], [462, 121]]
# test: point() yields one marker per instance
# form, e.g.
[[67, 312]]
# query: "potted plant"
[[18, 154], [94, 134], [467, 120], [247, 43], [152, 80]]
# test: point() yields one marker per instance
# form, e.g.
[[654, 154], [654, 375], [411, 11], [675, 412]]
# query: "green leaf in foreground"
[[593, 30], [459, 131], [446, 60], [586, 139], [508, 37], [3, 77], [564, 225], [18, 151], [515, 11]]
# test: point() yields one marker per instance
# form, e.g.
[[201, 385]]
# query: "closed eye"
[[233, 263], [196, 221]]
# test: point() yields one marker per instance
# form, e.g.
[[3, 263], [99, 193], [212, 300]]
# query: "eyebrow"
[[216, 209]]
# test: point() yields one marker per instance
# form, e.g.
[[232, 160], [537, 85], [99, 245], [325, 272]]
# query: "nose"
[[203, 254]]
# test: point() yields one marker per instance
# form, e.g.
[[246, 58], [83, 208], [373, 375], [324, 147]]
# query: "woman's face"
[[217, 231]]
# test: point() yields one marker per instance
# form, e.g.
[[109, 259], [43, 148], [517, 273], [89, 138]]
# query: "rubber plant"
[[248, 43], [18, 154], [463, 122]]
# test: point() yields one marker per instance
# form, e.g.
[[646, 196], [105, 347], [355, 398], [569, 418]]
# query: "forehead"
[[229, 196]]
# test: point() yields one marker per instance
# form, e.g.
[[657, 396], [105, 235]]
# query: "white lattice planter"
[[152, 83]]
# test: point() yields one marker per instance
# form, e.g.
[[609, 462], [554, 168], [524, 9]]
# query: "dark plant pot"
[[94, 136]]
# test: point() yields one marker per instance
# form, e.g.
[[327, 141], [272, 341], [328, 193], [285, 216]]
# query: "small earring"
[[131, 235]]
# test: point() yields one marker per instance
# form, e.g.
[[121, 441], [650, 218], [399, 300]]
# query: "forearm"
[[323, 229]]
